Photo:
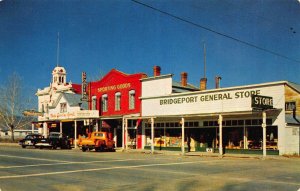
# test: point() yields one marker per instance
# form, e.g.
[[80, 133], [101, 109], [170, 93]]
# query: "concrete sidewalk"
[[179, 153], [203, 154]]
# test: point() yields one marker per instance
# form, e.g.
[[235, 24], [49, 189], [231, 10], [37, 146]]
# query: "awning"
[[235, 114], [292, 120], [111, 117]]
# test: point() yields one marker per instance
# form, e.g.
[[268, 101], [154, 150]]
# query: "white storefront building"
[[220, 120], [62, 108]]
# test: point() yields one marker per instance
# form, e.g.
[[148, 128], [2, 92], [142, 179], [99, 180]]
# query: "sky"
[[247, 41]]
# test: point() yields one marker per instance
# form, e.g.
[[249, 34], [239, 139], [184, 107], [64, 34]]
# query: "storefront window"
[[132, 138], [131, 99], [118, 101], [233, 137], [104, 102]]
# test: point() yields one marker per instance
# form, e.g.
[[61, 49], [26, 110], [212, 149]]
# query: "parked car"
[[99, 141], [30, 140], [54, 141]]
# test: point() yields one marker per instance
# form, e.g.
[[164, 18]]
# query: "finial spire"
[[57, 59]]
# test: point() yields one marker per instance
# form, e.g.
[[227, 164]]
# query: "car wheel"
[[23, 146], [102, 148], [84, 149]]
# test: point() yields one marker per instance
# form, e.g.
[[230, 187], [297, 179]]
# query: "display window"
[[164, 137], [131, 138], [235, 133]]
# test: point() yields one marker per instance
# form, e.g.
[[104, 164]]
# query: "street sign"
[[261, 102]]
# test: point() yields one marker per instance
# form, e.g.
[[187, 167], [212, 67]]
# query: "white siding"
[[157, 86], [292, 143], [56, 114]]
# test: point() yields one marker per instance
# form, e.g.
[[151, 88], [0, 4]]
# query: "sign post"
[[182, 136], [264, 126], [263, 103], [220, 121]]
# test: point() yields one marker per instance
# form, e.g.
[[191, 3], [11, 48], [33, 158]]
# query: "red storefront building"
[[116, 96]]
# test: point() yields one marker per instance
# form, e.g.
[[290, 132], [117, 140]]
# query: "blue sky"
[[98, 35]]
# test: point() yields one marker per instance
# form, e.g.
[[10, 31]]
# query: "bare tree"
[[13, 103]]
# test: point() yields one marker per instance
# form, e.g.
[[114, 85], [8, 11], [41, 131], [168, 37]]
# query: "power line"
[[216, 32]]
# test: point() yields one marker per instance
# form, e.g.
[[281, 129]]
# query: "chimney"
[[184, 79], [217, 80], [203, 82], [156, 71]]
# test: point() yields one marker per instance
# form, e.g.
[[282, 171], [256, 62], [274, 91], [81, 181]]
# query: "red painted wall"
[[116, 81]]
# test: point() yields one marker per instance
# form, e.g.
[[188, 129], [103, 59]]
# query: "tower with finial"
[[59, 73]]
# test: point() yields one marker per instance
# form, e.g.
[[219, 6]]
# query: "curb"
[[203, 154]]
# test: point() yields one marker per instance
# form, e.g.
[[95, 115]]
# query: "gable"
[[115, 77], [72, 100]]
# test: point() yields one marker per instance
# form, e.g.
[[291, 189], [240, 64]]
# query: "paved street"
[[34, 169]]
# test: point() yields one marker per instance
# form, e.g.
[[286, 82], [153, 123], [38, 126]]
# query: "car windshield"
[[99, 135], [33, 136], [29, 137]]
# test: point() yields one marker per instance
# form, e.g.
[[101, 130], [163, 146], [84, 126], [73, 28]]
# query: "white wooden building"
[[207, 119], [62, 108]]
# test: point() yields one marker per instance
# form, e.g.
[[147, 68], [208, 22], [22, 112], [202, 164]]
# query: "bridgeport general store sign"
[[215, 101], [209, 97]]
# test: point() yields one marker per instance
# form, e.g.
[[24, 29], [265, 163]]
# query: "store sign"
[[262, 102], [87, 114], [84, 87], [62, 115], [209, 97], [82, 114], [114, 87]]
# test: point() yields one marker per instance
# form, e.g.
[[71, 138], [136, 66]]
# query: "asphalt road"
[[41, 170]]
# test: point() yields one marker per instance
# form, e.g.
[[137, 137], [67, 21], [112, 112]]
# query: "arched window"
[[104, 103], [131, 99], [118, 101]]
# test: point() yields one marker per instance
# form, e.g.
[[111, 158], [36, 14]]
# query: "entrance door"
[[119, 137]]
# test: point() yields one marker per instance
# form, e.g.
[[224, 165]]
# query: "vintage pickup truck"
[[98, 141]]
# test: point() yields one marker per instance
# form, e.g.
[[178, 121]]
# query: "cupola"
[[59, 75]]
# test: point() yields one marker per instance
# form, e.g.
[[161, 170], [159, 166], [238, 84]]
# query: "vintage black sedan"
[[30, 140], [54, 141]]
